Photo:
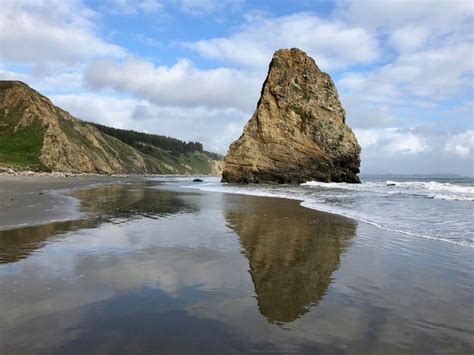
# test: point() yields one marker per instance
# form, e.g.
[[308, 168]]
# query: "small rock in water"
[[197, 180], [391, 184]]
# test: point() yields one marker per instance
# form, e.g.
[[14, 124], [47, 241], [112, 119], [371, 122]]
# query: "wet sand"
[[154, 268], [33, 200]]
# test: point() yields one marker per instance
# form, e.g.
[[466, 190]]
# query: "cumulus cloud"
[[391, 141], [12, 75], [48, 33], [428, 66], [461, 145], [427, 76], [369, 115], [433, 57], [190, 124], [435, 18], [408, 38], [333, 44], [421, 150], [179, 85]]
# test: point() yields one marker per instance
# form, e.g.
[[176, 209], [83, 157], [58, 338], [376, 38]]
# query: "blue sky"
[[193, 69]]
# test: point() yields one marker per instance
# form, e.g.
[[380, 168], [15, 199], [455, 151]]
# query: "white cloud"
[[391, 141], [12, 75], [369, 115], [428, 75], [61, 81], [420, 150], [215, 128], [432, 62], [49, 33], [332, 44], [435, 16], [424, 149], [407, 143], [367, 137], [461, 145], [408, 38], [179, 85], [101, 109]]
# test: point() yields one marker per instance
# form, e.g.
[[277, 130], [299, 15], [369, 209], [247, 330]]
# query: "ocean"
[[441, 209]]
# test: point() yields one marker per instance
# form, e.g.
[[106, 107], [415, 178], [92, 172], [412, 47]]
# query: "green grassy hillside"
[[36, 135], [20, 150]]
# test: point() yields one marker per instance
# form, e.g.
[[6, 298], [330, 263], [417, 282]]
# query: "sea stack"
[[298, 132]]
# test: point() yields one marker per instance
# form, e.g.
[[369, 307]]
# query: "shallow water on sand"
[[155, 268], [421, 207]]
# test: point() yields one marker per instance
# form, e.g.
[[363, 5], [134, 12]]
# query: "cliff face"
[[298, 131], [35, 134]]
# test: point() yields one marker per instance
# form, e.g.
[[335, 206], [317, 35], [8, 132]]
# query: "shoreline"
[[11, 172], [32, 200], [75, 182], [304, 204]]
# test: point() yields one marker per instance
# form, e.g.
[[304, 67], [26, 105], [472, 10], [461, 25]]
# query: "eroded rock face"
[[69, 145], [298, 131], [64, 143]]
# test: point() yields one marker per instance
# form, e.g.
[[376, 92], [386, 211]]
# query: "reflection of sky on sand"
[[202, 277]]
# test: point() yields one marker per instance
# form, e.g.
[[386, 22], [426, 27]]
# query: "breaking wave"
[[429, 189], [396, 206]]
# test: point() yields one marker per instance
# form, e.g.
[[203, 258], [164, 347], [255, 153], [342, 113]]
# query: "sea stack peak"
[[298, 132]]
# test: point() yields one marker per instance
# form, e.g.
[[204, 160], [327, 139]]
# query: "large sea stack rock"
[[298, 131]]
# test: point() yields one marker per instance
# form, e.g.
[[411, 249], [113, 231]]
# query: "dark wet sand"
[[149, 269], [33, 200]]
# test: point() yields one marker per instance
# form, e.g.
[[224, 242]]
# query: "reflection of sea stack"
[[298, 131], [292, 253]]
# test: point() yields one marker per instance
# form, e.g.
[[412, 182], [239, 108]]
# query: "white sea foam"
[[428, 189], [331, 197], [366, 219]]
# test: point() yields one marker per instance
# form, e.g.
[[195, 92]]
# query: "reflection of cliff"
[[106, 203], [130, 201], [292, 252], [17, 244]]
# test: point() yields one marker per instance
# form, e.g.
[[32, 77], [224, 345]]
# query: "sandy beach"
[[27, 200], [137, 265]]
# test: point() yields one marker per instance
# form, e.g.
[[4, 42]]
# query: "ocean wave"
[[450, 197], [313, 202], [366, 219], [427, 189], [433, 186]]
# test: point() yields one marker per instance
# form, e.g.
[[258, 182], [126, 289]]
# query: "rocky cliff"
[[35, 134], [298, 131]]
